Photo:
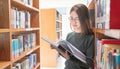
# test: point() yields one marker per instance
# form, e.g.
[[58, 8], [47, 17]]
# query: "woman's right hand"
[[67, 56], [52, 47]]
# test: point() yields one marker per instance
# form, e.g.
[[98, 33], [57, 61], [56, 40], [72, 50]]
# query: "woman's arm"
[[90, 51]]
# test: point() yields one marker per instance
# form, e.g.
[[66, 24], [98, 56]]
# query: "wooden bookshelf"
[[106, 29], [8, 33], [51, 27]]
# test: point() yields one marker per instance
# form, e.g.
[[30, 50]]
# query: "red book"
[[114, 14], [110, 41]]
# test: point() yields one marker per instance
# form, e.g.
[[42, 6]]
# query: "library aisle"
[[60, 64]]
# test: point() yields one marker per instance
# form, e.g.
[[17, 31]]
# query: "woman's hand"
[[65, 54], [53, 47]]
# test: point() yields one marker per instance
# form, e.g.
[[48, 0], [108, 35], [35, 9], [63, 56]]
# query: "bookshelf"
[[58, 25], [19, 34], [107, 34], [51, 27]]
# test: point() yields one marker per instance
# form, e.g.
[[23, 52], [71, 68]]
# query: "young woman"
[[82, 38]]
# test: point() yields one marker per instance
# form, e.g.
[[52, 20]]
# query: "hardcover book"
[[63, 45]]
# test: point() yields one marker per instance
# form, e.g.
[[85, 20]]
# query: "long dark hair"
[[83, 15]]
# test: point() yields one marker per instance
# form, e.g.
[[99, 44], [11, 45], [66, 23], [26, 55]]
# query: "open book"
[[65, 45]]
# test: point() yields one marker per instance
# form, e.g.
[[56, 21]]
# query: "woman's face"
[[74, 20]]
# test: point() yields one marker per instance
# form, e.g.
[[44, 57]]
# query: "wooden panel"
[[4, 13], [37, 38], [48, 29], [36, 3], [34, 20], [4, 47]]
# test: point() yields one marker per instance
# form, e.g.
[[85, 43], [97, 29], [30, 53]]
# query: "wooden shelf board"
[[4, 64], [38, 64], [21, 5], [59, 21], [102, 31], [114, 33], [22, 30], [25, 53], [59, 31], [4, 30]]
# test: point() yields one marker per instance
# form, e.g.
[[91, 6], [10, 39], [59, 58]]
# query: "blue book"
[[117, 61]]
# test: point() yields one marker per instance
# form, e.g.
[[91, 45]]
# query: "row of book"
[[28, 62], [113, 59], [107, 16], [28, 2], [20, 19], [103, 47], [21, 43]]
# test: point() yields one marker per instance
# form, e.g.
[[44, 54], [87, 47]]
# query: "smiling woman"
[[82, 37], [63, 7]]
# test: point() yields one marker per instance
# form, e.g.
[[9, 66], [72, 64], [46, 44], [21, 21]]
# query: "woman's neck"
[[78, 30]]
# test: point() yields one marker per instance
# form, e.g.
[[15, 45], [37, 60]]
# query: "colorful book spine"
[[102, 48], [107, 16]]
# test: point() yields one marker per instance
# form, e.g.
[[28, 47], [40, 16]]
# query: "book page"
[[49, 41], [67, 47]]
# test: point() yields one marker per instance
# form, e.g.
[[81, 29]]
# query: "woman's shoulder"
[[70, 33], [89, 36]]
